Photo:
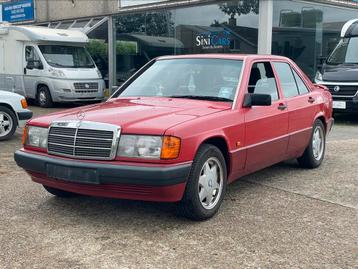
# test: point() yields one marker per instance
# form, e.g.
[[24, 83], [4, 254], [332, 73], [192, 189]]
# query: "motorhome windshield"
[[66, 56], [345, 52]]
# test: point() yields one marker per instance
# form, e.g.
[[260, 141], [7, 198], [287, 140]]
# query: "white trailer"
[[48, 65]]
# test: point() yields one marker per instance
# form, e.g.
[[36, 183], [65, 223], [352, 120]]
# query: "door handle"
[[311, 100], [282, 106]]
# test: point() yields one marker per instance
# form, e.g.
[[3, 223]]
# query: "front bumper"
[[150, 183], [64, 91], [351, 105]]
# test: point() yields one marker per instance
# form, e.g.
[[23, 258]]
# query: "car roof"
[[226, 56]]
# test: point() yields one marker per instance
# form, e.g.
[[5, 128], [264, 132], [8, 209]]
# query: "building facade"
[[126, 34]]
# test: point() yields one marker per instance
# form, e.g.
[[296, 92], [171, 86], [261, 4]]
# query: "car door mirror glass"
[[34, 64], [255, 99]]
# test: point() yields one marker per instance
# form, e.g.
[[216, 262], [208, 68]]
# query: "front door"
[[266, 127], [33, 70]]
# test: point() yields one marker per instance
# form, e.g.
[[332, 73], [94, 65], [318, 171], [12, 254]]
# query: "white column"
[[265, 26], [111, 53]]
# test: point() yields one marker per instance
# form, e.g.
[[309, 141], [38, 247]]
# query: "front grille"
[[344, 90], [86, 86], [86, 91], [83, 140]]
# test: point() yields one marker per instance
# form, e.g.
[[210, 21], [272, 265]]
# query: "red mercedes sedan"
[[180, 130]]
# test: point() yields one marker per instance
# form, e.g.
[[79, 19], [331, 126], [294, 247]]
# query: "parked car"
[[48, 65], [180, 130], [13, 113], [340, 71]]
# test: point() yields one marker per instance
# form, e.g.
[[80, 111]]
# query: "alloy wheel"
[[318, 143], [210, 183], [6, 124]]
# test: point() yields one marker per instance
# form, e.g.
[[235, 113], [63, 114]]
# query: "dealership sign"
[[213, 40], [18, 11]]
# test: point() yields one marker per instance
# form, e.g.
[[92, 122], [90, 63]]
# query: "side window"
[[288, 82], [262, 80], [31, 54], [300, 84]]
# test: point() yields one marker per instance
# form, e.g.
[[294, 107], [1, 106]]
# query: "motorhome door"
[[33, 70]]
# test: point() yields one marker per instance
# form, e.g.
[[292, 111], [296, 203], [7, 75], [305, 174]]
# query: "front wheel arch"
[[221, 143]]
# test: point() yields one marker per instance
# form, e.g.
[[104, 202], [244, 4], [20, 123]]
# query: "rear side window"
[[300, 84], [288, 82]]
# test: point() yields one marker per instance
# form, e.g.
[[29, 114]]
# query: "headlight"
[[36, 137], [99, 73], [319, 76], [151, 147], [140, 146], [57, 73]]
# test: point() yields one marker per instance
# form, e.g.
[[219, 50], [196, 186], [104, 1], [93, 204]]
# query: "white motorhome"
[[48, 65]]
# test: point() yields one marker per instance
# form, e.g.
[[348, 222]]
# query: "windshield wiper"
[[201, 97], [58, 65]]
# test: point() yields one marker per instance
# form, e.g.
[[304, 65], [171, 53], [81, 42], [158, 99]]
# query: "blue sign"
[[17, 11]]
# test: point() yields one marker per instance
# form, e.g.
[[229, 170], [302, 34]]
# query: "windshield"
[[345, 52], [205, 79], [66, 56]]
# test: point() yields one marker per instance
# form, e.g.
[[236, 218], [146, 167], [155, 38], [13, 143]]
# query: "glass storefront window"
[[223, 27], [98, 49], [307, 32]]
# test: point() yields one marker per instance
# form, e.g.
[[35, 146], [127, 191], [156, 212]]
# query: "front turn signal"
[[170, 148], [24, 103], [24, 136]]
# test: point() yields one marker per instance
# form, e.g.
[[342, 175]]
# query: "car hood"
[[139, 115], [8, 95], [341, 73]]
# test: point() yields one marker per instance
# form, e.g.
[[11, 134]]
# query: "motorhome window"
[[66, 56], [31, 54], [345, 52]]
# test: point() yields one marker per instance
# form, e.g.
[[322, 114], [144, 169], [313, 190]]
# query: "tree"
[[150, 23], [240, 7]]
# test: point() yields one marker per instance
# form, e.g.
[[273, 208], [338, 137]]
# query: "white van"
[[48, 65]]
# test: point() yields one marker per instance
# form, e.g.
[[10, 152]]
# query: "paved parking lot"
[[281, 217]]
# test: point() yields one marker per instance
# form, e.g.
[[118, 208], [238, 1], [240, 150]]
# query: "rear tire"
[[206, 185], [314, 153], [43, 97], [8, 123], [58, 192]]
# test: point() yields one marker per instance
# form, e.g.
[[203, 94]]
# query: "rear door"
[[265, 126], [301, 104]]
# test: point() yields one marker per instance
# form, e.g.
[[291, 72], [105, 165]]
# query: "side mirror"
[[255, 99], [34, 64], [30, 65]]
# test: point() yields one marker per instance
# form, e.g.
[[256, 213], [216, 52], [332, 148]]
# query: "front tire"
[[314, 153], [8, 123], [43, 97], [58, 192], [206, 185]]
